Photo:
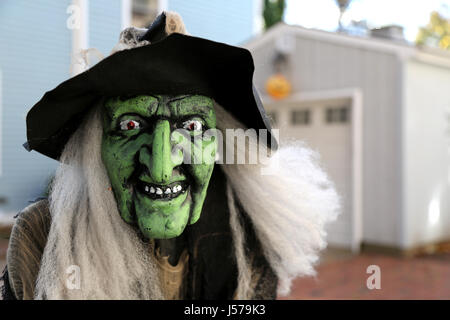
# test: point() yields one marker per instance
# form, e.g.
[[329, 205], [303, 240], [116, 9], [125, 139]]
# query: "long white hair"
[[289, 199], [288, 209], [89, 244]]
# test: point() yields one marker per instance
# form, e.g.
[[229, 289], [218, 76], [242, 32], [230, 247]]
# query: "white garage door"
[[326, 127]]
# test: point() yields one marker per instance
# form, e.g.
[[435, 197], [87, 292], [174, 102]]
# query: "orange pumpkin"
[[278, 87]]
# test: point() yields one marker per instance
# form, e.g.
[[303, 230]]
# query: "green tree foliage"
[[436, 33], [273, 12]]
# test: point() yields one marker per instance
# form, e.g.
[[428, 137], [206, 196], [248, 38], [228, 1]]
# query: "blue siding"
[[229, 21], [34, 58], [104, 24], [35, 50]]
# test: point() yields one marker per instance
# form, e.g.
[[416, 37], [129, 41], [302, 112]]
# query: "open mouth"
[[163, 192]]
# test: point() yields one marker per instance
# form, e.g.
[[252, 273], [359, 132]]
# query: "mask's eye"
[[126, 125], [192, 125]]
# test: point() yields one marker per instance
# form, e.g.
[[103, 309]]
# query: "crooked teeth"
[[163, 191]]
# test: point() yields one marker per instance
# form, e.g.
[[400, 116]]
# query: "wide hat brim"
[[178, 64]]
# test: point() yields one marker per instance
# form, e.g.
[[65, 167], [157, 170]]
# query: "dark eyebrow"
[[145, 105], [180, 97], [200, 108]]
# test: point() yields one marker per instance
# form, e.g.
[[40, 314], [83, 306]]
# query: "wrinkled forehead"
[[163, 105]]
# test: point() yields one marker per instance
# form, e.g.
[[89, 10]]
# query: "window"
[[300, 117], [337, 115]]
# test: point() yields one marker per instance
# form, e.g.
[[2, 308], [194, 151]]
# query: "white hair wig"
[[87, 231], [288, 209], [289, 200]]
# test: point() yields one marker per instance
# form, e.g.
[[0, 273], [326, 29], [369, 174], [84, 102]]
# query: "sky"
[[323, 14]]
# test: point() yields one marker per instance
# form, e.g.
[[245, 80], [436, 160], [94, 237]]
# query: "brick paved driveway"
[[426, 277]]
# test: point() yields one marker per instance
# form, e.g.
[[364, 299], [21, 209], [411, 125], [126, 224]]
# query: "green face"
[[159, 159]]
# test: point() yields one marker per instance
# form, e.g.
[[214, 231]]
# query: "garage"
[[325, 125]]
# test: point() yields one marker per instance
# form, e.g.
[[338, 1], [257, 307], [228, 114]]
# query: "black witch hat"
[[164, 61]]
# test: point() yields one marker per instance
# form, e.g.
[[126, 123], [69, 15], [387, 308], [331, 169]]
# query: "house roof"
[[404, 50]]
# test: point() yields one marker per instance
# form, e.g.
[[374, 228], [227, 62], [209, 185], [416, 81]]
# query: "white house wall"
[[427, 154], [318, 64]]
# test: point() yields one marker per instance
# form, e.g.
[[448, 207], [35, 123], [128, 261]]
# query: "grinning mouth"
[[162, 192]]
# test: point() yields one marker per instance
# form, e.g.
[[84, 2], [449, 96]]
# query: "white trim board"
[[163, 5], [356, 97], [80, 36], [126, 8], [402, 50], [1, 123]]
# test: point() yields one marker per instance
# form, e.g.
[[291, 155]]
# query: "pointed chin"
[[162, 219]]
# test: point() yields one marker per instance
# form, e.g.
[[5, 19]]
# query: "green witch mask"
[[159, 185]]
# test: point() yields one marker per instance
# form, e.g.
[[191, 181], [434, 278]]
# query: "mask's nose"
[[159, 163]]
